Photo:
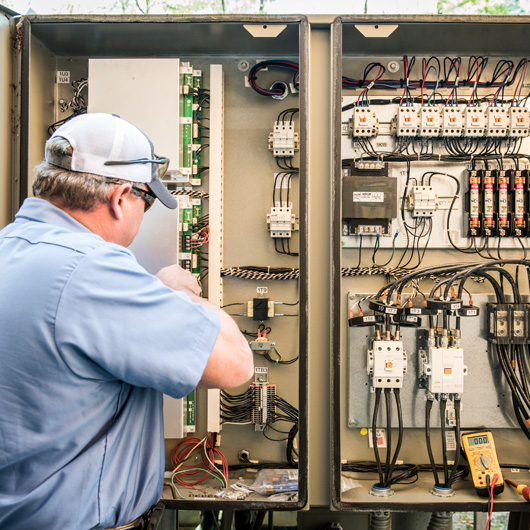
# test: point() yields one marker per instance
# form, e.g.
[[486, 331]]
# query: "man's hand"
[[179, 279], [230, 363]]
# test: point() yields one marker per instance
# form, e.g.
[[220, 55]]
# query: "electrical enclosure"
[[185, 81], [411, 130]]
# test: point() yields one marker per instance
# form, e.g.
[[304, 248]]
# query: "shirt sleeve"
[[116, 321]]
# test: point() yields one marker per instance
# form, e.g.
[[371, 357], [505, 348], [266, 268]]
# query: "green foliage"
[[186, 7], [479, 7]]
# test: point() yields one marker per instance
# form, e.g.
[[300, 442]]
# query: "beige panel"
[[319, 270], [42, 109]]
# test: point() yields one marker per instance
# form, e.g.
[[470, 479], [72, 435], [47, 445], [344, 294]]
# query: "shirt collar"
[[43, 211]]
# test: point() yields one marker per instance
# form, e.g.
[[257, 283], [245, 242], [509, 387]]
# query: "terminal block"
[[452, 121], [407, 121], [387, 363], [519, 120], [364, 122], [497, 121], [475, 121], [281, 222], [444, 370], [508, 323], [423, 201], [367, 165], [263, 399], [430, 121], [283, 141]]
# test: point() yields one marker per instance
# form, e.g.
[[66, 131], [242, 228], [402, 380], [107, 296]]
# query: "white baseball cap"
[[106, 145]]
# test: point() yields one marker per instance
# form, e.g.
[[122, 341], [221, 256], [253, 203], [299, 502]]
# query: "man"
[[90, 340]]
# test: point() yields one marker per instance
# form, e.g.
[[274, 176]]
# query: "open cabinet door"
[[6, 116]]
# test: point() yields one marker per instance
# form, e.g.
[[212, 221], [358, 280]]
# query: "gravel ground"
[[464, 521]]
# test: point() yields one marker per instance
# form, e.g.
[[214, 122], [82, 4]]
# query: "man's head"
[[93, 164]]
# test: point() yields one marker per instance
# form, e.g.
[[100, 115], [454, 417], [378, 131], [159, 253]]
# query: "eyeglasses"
[[146, 195], [160, 164]]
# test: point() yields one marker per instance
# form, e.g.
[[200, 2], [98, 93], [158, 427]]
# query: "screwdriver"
[[522, 489]]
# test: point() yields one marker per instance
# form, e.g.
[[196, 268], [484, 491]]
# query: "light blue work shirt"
[[89, 341]]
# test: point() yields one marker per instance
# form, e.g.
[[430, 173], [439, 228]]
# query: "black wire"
[[374, 436], [410, 471], [389, 434], [360, 250], [443, 406], [457, 437], [428, 408], [400, 436]]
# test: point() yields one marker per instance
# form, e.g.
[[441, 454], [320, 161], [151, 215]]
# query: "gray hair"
[[69, 189]]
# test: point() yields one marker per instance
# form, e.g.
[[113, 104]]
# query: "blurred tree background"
[[441, 7], [479, 7]]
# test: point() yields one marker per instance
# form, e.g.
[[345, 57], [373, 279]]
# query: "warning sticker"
[[368, 196], [380, 436]]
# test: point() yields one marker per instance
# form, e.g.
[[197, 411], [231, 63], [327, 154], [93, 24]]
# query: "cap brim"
[[162, 193]]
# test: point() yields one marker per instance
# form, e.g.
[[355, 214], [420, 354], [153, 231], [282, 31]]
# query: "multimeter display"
[[477, 440], [483, 463]]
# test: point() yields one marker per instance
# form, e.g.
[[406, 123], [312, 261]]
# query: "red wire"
[[379, 74]]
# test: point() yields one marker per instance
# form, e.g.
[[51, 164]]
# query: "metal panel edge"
[[431, 19], [303, 388], [157, 19], [24, 33], [336, 91]]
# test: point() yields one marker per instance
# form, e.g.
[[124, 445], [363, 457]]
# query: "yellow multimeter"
[[483, 462]]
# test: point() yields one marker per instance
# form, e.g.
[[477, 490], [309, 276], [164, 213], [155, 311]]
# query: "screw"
[[393, 66], [243, 66]]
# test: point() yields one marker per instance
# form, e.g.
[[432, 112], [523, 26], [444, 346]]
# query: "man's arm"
[[230, 362]]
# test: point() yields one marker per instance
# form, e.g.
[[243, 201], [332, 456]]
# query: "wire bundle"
[[188, 472], [513, 358], [277, 88], [449, 478], [279, 357], [445, 149], [261, 273], [77, 104], [490, 499], [282, 181], [192, 194], [240, 409], [200, 237], [236, 408], [386, 472], [505, 74], [408, 472]]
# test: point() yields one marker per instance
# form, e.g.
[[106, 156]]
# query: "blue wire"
[[510, 65], [436, 87]]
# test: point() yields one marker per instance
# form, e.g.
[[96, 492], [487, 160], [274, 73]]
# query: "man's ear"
[[117, 200]]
